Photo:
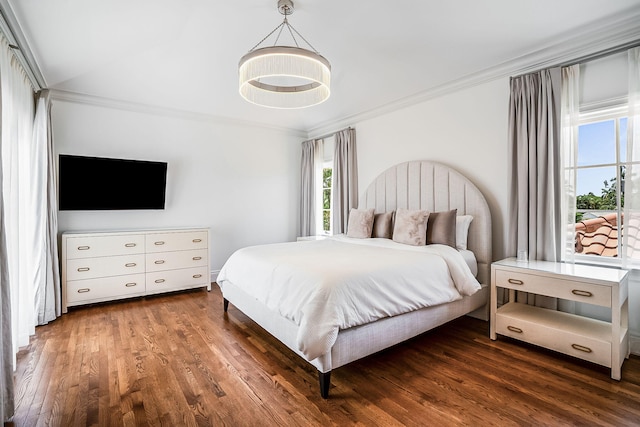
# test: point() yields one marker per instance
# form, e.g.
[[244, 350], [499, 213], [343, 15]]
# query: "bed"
[[414, 185]]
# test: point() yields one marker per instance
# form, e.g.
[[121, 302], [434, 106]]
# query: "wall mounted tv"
[[98, 183]]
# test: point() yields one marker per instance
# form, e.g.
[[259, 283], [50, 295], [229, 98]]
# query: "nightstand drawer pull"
[[581, 348], [130, 285], [581, 293], [197, 276], [129, 245], [515, 282], [158, 243], [130, 264], [84, 248], [160, 261], [514, 329], [83, 269], [83, 290], [197, 240], [196, 258], [159, 280]]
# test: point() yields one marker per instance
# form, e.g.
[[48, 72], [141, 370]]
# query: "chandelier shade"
[[284, 76]]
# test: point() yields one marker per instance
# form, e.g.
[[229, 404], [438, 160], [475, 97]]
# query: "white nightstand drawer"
[[163, 281], [96, 246], [88, 268], [93, 290], [159, 261], [556, 287], [584, 338], [177, 241]]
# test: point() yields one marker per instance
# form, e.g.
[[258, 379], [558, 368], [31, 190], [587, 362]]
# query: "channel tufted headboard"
[[435, 187]]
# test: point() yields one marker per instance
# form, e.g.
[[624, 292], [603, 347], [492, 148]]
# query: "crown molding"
[[98, 101], [618, 32]]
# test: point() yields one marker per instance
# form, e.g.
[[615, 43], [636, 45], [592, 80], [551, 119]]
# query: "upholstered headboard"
[[435, 187]]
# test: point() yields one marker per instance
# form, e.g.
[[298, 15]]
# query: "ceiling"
[[182, 55]]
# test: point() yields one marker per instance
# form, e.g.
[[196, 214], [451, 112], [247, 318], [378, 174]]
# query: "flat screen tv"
[[98, 183]]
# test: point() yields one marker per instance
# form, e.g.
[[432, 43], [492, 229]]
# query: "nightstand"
[[604, 343]]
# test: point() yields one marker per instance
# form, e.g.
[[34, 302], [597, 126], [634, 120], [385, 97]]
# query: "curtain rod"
[[589, 57], [332, 133]]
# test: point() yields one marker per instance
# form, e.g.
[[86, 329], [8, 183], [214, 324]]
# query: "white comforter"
[[327, 285]]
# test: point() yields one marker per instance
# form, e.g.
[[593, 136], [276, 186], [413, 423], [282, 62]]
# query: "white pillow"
[[462, 230]]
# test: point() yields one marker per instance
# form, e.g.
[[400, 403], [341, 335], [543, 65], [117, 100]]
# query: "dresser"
[[105, 266], [604, 343]]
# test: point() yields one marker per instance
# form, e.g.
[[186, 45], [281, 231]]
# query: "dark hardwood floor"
[[177, 360]]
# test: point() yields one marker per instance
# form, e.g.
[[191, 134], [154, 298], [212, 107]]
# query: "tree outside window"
[[326, 200]]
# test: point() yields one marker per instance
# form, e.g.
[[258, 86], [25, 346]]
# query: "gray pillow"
[[360, 223], [410, 227], [383, 225], [442, 228]]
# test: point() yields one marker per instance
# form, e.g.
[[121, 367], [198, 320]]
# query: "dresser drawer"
[[583, 338], [160, 261], [89, 268], [97, 246], [163, 281], [559, 288], [94, 290], [177, 241]]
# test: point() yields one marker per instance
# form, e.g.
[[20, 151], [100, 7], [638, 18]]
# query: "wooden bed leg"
[[226, 304], [325, 382]]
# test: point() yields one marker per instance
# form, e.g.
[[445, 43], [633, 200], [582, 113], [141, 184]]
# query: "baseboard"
[[634, 344], [214, 275]]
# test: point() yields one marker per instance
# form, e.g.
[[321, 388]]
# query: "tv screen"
[[98, 183]]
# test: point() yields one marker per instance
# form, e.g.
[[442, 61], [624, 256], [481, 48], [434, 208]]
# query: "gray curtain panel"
[[534, 173], [310, 153], [345, 179]]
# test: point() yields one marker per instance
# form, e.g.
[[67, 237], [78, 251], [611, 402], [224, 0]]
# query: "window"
[[599, 187], [327, 171]]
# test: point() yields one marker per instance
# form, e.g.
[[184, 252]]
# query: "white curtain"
[[631, 221], [345, 179], [310, 179], [570, 123]]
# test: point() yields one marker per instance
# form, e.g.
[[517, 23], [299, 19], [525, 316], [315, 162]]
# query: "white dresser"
[[604, 343], [104, 266]]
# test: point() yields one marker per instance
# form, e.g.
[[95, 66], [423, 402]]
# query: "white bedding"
[[327, 285]]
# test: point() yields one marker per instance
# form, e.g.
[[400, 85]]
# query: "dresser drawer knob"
[[83, 269], [197, 240], [196, 258], [514, 329], [581, 293], [581, 348], [129, 245], [159, 243], [84, 248], [130, 264], [197, 276], [131, 285], [159, 280], [83, 290], [160, 261], [515, 282]]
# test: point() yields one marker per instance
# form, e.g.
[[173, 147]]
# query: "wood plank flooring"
[[178, 360]]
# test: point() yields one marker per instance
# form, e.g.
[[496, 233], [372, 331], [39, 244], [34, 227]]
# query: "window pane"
[[326, 199], [598, 181], [326, 220], [596, 143], [326, 177]]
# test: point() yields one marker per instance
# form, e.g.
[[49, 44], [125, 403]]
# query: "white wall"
[[466, 130], [240, 181]]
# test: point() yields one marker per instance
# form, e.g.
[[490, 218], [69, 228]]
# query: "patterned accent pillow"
[[442, 228], [410, 227], [383, 225], [360, 223]]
